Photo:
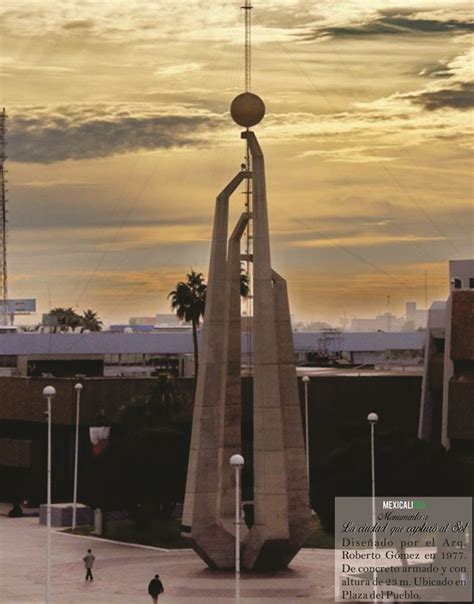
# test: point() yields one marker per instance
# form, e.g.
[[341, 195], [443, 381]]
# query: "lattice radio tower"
[[247, 8], [3, 217], [248, 82]]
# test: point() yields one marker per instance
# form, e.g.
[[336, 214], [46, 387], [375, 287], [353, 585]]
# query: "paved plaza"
[[122, 573]]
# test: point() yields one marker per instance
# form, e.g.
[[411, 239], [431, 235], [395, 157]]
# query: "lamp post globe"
[[237, 461], [372, 418], [49, 391], [78, 387], [305, 379]]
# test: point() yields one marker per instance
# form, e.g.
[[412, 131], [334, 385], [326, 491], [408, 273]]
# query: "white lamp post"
[[48, 393], [306, 422], [237, 462], [373, 418], [78, 389]]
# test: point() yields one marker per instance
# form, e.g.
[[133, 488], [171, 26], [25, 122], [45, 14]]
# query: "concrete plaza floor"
[[122, 573]]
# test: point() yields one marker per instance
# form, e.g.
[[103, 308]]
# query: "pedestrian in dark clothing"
[[155, 588], [16, 511], [89, 559]]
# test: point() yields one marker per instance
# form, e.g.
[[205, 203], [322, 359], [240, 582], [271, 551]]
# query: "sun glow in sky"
[[119, 140]]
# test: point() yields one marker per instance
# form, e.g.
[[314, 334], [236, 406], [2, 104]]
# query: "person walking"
[[155, 588], [89, 559]]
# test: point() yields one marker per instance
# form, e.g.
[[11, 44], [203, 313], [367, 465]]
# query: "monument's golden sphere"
[[247, 109]]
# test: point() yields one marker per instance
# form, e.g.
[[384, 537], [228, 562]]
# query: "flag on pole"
[[99, 436]]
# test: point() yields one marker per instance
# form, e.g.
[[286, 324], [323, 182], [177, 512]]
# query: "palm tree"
[[66, 317], [244, 283], [91, 321], [158, 407], [188, 300]]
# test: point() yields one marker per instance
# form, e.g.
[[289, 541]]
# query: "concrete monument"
[[281, 503]]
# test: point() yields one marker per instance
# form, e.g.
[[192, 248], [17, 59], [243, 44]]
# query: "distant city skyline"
[[119, 140]]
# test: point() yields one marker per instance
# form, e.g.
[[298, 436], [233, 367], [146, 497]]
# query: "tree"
[[144, 466], [91, 321], [66, 317], [244, 283], [406, 467], [188, 300], [161, 406]]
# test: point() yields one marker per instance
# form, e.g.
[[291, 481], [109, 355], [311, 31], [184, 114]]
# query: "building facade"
[[447, 403]]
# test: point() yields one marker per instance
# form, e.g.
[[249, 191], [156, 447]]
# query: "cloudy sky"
[[119, 139]]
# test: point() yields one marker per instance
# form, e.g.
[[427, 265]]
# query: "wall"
[[22, 399], [338, 409], [339, 405], [460, 390]]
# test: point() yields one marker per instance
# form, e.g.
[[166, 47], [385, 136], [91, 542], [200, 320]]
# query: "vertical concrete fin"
[[231, 418], [294, 446], [200, 514], [279, 497]]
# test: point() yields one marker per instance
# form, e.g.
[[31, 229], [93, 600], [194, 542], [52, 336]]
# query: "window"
[[471, 282], [8, 360], [457, 283]]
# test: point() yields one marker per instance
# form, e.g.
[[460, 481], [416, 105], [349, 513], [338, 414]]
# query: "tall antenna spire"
[[3, 220], [247, 110], [248, 192], [248, 44]]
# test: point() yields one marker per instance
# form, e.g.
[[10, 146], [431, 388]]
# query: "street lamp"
[[306, 422], [237, 462], [48, 393], [373, 418], [77, 388]]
